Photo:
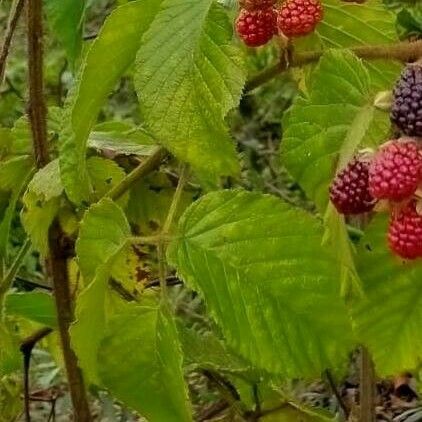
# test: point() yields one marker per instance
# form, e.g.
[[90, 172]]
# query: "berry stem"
[[402, 51]]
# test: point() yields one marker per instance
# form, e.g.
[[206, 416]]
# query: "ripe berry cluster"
[[393, 174], [260, 20]]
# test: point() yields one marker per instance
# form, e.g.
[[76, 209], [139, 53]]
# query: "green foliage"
[[265, 277], [35, 306], [103, 234], [113, 51], [389, 317], [142, 363], [331, 124], [185, 101]]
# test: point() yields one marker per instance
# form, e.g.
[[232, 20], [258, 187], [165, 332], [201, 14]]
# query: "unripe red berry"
[[297, 18], [349, 191], [396, 170], [256, 27], [405, 232], [256, 4]]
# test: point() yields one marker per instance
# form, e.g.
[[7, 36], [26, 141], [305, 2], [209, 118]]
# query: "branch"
[[37, 110], [402, 51], [151, 163], [12, 22], [26, 348], [57, 260]]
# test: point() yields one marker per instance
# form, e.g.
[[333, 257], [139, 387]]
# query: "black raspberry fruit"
[[406, 111], [349, 191]]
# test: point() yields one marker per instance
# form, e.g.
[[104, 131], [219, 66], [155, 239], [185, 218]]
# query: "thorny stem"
[[402, 51], [58, 254], [12, 22]]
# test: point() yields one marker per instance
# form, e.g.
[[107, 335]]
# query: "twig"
[[151, 163], [255, 392], [26, 348], [367, 387], [336, 393], [402, 51], [58, 254], [12, 22]]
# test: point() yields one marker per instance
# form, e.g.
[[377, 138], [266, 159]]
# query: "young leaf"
[[41, 204], [266, 279], [113, 52], [388, 319], [142, 364], [103, 234], [188, 76]]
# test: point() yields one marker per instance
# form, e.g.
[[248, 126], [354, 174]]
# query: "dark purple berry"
[[406, 112]]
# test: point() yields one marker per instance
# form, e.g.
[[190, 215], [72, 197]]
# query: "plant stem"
[[26, 348], [152, 162], [336, 393], [161, 249], [57, 260], [367, 387], [15, 13], [64, 305], [402, 51], [7, 282]]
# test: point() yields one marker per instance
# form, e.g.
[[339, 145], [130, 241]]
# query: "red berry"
[[349, 191], [405, 233], [299, 17], [256, 27], [396, 170], [256, 4]]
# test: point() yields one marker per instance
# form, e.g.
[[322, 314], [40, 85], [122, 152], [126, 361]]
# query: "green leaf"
[[35, 306], [66, 17], [206, 350], [13, 172], [388, 319], [10, 358], [103, 234], [331, 124], [188, 76], [41, 204], [113, 52], [267, 280], [104, 230], [348, 24], [141, 364], [121, 138]]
